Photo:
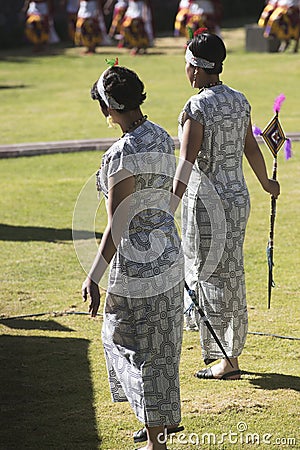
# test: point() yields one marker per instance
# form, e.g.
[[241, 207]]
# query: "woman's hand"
[[91, 289], [273, 187]]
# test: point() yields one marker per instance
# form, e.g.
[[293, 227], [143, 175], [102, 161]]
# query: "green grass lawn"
[[53, 377]]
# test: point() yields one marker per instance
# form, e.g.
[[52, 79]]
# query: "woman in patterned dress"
[[143, 312], [215, 132]]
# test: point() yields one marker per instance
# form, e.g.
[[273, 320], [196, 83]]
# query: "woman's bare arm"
[[192, 138], [121, 186]]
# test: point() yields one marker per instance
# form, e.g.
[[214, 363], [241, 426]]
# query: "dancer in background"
[[267, 11], [283, 23], [205, 13], [181, 18], [136, 29], [118, 16], [71, 7], [88, 32], [37, 29]]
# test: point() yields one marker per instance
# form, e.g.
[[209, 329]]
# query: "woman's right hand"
[[90, 290], [273, 187]]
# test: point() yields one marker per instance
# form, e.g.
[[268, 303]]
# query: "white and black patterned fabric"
[[215, 211], [143, 312]]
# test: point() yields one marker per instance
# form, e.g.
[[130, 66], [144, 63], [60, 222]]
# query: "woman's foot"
[[141, 435], [221, 371]]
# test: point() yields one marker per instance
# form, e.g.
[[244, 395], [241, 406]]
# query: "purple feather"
[[256, 131], [277, 103], [288, 149]]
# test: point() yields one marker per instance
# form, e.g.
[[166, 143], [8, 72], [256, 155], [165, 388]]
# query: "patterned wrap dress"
[[215, 211], [143, 312]]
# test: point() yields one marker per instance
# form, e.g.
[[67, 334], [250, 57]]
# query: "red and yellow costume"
[[72, 10], [88, 32], [118, 16], [37, 22], [283, 22], [181, 18], [134, 26], [196, 14]]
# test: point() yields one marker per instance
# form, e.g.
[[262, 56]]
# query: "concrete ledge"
[[47, 148]]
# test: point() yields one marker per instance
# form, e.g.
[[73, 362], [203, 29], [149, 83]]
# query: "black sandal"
[[206, 374], [141, 435]]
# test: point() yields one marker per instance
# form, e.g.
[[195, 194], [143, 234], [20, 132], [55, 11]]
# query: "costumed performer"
[[88, 32], [284, 23], [37, 22], [118, 16], [205, 13], [181, 17], [135, 27]]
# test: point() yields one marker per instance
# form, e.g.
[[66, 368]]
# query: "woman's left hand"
[[91, 289]]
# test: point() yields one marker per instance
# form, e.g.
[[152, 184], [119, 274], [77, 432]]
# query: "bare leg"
[[223, 367], [156, 439]]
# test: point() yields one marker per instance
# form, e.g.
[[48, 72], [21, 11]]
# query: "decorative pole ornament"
[[274, 137]]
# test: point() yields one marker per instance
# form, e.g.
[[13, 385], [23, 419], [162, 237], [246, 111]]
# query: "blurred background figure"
[[207, 14], [282, 22], [196, 14], [90, 27], [181, 18], [120, 8], [137, 27], [71, 7], [270, 7], [37, 29], [106, 40]]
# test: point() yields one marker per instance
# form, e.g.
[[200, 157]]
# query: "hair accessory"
[[108, 99], [190, 32], [198, 62], [200, 31], [112, 62]]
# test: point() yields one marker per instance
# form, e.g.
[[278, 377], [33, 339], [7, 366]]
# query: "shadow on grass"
[[14, 86], [30, 233], [46, 394], [272, 381], [25, 54], [30, 324]]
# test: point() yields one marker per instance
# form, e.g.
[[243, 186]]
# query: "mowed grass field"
[[54, 389]]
